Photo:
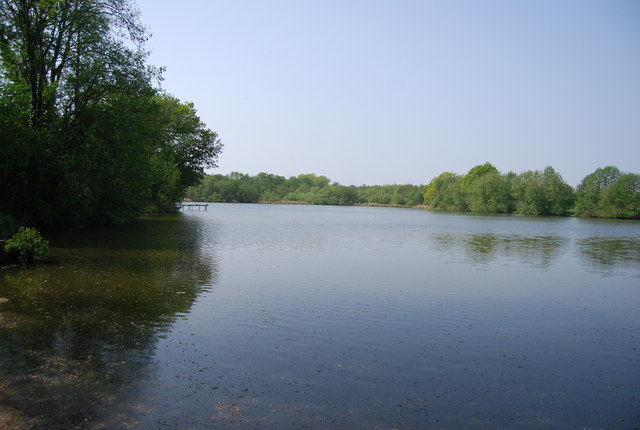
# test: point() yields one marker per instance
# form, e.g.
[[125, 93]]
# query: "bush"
[[27, 245]]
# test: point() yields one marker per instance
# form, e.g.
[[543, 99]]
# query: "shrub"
[[27, 245]]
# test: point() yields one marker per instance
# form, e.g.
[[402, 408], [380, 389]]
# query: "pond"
[[278, 316]]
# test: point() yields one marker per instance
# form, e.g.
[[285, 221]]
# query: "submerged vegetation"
[[606, 192]]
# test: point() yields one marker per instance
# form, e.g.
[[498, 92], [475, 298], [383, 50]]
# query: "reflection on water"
[[76, 333], [482, 249], [605, 253], [326, 317]]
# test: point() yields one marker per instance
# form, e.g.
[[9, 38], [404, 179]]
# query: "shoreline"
[[303, 203], [422, 207]]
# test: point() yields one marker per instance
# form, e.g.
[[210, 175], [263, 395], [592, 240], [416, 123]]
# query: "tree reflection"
[[482, 249], [605, 253], [77, 334]]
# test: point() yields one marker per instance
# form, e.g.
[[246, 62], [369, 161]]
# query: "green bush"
[[27, 245]]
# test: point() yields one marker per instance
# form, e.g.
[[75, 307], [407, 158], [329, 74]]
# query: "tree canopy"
[[304, 188], [621, 198], [606, 192], [589, 191], [86, 134], [533, 192]]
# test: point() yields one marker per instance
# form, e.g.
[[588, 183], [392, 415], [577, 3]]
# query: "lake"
[[278, 316]]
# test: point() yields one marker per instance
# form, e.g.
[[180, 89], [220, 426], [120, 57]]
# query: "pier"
[[192, 206]]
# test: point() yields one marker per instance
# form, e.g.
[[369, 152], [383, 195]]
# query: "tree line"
[[304, 188], [86, 134], [606, 192]]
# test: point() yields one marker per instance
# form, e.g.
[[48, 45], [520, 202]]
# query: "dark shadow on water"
[[77, 335]]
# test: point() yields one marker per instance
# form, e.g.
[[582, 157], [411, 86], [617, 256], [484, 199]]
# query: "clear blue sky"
[[398, 91]]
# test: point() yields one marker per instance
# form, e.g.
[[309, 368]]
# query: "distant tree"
[[270, 187], [305, 182], [450, 195], [476, 173], [227, 189], [435, 188], [542, 193], [397, 195], [335, 195], [490, 193], [307, 188], [559, 194], [529, 193], [589, 191], [621, 199]]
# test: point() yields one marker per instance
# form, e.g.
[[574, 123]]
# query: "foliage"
[[542, 193], [490, 193], [185, 148], [27, 245], [304, 188], [606, 192], [484, 189], [621, 199], [476, 173], [589, 191], [393, 195], [452, 195], [445, 192], [85, 134], [534, 192]]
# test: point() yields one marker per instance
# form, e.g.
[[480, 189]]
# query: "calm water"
[[271, 317]]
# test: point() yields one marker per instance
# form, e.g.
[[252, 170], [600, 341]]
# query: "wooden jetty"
[[192, 206]]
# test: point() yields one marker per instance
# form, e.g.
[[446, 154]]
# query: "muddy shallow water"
[[261, 316]]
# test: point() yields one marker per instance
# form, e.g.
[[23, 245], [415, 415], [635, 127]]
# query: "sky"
[[398, 91]]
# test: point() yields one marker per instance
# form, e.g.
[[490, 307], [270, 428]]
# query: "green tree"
[[490, 193], [560, 195], [542, 193], [621, 199], [476, 173], [185, 148], [435, 187], [58, 49], [445, 192], [335, 195], [398, 195], [589, 191], [59, 59], [15, 151], [270, 187], [85, 134]]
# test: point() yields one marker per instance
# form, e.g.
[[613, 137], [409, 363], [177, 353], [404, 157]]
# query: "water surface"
[[261, 316]]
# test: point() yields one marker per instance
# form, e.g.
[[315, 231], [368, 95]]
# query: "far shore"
[[298, 202]]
